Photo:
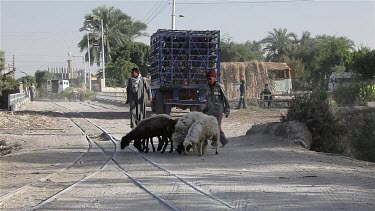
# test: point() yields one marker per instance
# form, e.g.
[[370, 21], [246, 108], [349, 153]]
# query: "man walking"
[[242, 93], [217, 102], [32, 92], [136, 89]]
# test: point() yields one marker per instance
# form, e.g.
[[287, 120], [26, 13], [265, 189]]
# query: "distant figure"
[[32, 92], [136, 89], [242, 93], [267, 91]]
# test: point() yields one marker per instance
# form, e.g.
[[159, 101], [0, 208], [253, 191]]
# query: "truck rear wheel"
[[159, 103]]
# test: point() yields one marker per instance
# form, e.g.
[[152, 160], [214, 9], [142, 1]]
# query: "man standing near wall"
[[242, 92]]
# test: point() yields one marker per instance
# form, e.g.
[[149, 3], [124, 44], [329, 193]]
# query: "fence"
[[15, 100], [117, 97]]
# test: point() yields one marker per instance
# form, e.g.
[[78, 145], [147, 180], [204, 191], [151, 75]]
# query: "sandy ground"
[[48, 153]]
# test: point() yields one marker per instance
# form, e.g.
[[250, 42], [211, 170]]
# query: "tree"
[[364, 62], [41, 77], [124, 58], [118, 29], [240, 52], [2, 61], [27, 80], [278, 43], [329, 52]]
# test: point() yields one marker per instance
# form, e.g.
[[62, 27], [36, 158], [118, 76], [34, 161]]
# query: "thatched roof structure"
[[276, 66], [256, 75]]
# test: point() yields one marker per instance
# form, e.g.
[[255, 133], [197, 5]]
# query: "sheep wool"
[[200, 132], [183, 124]]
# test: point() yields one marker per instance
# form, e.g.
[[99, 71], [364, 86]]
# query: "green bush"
[[356, 93], [315, 112], [346, 95], [360, 124], [366, 94], [77, 93], [346, 131]]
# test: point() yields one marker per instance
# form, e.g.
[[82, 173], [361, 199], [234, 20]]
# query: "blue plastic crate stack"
[[182, 58]]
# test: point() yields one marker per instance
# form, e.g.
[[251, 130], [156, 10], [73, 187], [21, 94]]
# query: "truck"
[[56, 86], [179, 61], [338, 79]]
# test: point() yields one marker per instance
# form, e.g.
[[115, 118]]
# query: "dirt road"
[[61, 161]]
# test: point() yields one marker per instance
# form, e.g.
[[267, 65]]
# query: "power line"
[[242, 2], [161, 10], [156, 12], [153, 7]]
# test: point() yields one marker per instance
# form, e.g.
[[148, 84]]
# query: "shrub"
[[360, 124], [366, 94], [315, 112], [356, 93], [347, 94], [77, 93]]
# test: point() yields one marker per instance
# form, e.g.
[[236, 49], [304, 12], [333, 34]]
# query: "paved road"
[[68, 164]]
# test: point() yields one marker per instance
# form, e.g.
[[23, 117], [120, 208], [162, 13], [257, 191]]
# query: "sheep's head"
[[187, 146], [125, 141], [180, 149]]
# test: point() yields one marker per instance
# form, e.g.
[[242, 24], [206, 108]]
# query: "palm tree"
[[278, 43], [118, 29]]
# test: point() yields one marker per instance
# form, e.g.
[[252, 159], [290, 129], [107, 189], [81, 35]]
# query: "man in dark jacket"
[[242, 93], [136, 89], [217, 102], [266, 93]]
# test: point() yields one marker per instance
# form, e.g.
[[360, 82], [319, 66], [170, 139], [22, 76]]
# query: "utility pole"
[[103, 63], [173, 14], [88, 52], [14, 68]]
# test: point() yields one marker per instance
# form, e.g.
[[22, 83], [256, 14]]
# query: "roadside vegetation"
[[349, 131]]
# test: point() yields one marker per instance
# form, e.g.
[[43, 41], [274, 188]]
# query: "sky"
[[41, 33]]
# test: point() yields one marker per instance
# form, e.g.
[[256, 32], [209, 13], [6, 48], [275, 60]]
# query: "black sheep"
[[159, 125]]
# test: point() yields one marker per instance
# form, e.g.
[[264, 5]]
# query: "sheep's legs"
[[152, 144], [171, 150], [204, 148], [160, 144], [165, 141], [145, 145]]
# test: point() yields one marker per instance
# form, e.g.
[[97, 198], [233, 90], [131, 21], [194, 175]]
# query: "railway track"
[[104, 160]]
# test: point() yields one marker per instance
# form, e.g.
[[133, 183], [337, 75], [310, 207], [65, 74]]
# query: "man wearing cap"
[[217, 102], [136, 89]]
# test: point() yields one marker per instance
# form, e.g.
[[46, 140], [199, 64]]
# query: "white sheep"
[[182, 127], [200, 132]]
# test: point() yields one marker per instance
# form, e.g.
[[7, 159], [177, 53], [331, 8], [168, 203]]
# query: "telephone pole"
[[14, 68], [173, 14]]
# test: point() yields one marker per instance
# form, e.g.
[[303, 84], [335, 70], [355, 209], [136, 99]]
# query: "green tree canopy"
[[2, 61], [364, 62], [124, 58], [27, 80], [118, 29], [41, 77], [278, 44], [240, 52]]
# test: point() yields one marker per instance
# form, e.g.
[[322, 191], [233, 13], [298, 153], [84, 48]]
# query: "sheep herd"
[[191, 131]]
